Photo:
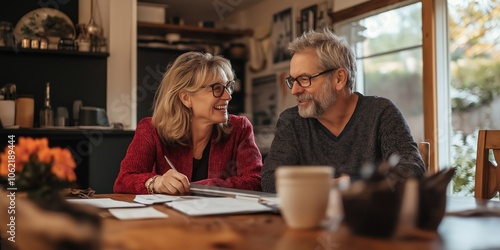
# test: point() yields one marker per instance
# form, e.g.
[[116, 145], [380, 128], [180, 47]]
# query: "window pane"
[[398, 77], [474, 28], [389, 55], [392, 30]]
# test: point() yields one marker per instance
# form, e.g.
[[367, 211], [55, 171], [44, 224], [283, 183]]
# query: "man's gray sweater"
[[376, 130]]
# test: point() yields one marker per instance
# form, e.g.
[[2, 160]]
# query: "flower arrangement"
[[33, 166]]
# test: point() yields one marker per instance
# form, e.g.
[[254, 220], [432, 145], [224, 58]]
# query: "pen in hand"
[[172, 166], [170, 163]]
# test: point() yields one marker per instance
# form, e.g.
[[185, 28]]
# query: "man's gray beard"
[[319, 105]]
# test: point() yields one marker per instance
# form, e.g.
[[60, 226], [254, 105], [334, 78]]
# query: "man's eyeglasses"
[[305, 81], [218, 88]]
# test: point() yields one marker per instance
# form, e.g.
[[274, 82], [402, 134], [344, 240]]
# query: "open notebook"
[[269, 199], [212, 200], [218, 205]]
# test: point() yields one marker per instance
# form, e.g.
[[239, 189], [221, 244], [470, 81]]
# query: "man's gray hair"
[[332, 51]]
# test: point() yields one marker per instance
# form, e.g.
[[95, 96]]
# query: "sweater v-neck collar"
[[347, 126]]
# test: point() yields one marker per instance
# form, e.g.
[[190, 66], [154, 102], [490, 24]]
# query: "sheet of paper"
[[218, 205], [137, 213], [105, 203], [154, 198]]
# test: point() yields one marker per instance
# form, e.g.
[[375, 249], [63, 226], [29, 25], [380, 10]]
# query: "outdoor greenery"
[[388, 47], [475, 76], [464, 155]]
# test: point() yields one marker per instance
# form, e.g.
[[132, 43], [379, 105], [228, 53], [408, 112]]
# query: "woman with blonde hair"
[[191, 138]]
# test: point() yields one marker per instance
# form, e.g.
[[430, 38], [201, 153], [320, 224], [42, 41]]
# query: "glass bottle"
[[47, 114]]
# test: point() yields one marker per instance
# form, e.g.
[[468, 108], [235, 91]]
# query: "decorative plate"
[[44, 22]]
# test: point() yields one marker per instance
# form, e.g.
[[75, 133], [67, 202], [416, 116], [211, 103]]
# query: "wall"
[[262, 40], [262, 28], [118, 19]]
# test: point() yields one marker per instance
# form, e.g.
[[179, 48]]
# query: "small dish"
[[44, 22]]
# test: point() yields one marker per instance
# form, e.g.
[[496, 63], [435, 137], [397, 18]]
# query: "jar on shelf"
[[83, 40]]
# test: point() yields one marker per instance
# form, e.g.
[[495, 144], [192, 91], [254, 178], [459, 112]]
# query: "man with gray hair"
[[332, 125]]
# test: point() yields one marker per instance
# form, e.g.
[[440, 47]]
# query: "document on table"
[[262, 197], [137, 213], [149, 199], [218, 205], [105, 203]]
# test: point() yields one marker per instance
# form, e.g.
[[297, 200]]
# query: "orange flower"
[[63, 164], [45, 155], [4, 164], [37, 153]]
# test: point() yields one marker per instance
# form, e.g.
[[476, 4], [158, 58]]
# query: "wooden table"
[[269, 231]]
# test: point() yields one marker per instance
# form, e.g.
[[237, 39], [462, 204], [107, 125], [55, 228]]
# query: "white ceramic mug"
[[7, 112], [303, 192]]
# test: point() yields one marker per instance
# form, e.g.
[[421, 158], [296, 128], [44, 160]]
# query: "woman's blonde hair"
[[189, 72]]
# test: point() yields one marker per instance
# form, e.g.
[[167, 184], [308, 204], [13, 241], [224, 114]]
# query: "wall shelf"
[[49, 52], [193, 32]]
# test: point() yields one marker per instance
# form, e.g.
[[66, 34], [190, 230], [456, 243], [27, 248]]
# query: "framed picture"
[[265, 94], [283, 27], [322, 19], [308, 18], [264, 100]]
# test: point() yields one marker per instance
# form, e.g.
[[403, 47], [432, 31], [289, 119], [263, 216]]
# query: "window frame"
[[429, 71]]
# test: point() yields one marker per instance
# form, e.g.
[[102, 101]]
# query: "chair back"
[[425, 150], [487, 174]]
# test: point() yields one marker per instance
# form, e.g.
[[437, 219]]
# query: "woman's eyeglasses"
[[218, 88]]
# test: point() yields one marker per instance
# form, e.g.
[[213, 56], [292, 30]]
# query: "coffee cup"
[[303, 192]]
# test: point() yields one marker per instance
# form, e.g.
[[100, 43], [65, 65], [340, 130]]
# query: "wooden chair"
[[487, 174], [425, 150]]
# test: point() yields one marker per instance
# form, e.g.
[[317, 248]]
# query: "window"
[[474, 85], [388, 47]]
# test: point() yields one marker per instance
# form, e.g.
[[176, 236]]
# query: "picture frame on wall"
[[308, 18], [283, 33], [322, 18], [265, 109], [264, 100]]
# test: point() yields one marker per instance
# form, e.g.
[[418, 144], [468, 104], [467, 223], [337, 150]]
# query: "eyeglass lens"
[[218, 89]]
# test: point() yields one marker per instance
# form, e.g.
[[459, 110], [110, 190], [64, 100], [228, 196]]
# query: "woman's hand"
[[172, 182]]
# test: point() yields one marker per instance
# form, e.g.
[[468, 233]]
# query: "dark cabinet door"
[[151, 66]]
